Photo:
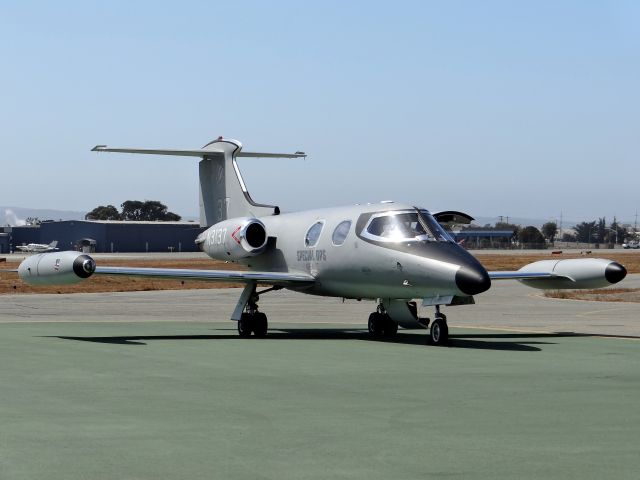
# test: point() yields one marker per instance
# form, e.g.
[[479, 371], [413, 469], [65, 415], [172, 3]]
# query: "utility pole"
[[560, 230]]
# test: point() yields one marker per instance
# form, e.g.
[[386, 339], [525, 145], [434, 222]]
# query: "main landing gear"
[[381, 325], [251, 320]]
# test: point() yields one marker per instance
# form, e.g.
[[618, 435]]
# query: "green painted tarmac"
[[193, 401]]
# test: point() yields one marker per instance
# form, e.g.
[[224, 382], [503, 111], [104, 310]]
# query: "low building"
[[5, 239], [111, 236], [476, 239]]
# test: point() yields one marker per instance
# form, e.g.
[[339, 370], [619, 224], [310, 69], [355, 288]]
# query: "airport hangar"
[[105, 236]]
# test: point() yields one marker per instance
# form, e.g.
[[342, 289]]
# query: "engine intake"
[[254, 235], [234, 239]]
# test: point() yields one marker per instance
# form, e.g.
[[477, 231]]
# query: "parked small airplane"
[[38, 247], [388, 252]]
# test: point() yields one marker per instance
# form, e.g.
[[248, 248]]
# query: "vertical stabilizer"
[[223, 193]]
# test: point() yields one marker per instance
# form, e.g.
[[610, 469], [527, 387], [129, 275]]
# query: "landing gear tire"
[[255, 323], [390, 328], [381, 325], [376, 324], [245, 325], [439, 333], [260, 325]]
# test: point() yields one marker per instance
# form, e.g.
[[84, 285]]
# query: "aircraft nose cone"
[[615, 272], [472, 281]]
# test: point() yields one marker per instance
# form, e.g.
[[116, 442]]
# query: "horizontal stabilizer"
[[195, 153], [148, 151], [223, 193]]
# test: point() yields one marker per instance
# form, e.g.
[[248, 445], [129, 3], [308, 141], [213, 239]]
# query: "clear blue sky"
[[493, 107]]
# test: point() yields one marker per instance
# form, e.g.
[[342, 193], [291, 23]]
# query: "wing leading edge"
[[270, 278], [516, 275]]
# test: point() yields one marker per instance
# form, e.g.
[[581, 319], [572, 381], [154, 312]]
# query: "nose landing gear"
[[439, 332]]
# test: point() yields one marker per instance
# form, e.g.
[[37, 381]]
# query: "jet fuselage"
[[351, 255]]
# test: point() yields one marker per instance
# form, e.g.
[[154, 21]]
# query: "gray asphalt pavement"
[[508, 305]]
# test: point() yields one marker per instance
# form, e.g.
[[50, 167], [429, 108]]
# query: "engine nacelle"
[[234, 239], [56, 268], [581, 273]]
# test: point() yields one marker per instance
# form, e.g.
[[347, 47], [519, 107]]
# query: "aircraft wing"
[[516, 275], [269, 278]]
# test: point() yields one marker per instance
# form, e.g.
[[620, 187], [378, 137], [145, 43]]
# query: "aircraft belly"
[[394, 276]]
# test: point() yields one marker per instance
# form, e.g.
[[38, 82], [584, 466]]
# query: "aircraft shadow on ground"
[[524, 342]]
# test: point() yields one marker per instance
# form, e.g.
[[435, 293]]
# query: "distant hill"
[[17, 215]]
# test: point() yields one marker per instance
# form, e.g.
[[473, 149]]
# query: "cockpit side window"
[[341, 232], [313, 234]]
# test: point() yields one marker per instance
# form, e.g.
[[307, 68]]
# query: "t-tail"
[[223, 193]]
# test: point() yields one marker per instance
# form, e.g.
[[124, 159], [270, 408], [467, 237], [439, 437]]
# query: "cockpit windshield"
[[405, 226], [439, 233]]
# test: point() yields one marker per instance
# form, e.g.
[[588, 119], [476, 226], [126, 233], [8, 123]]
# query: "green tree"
[[586, 231], [531, 237], [154, 210], [108, 212], [134, 210], [550, 230], [149, 210]]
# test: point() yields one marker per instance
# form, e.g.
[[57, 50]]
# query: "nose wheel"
[[439, 332]]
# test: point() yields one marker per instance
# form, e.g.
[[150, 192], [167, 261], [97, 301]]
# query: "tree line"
[[596, 231], [134, 210]]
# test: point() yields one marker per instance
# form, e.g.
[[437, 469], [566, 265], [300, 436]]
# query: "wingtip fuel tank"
[[575, 273], [56, 268]]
